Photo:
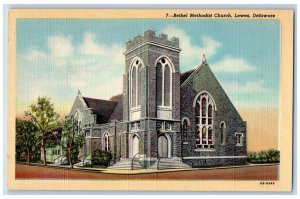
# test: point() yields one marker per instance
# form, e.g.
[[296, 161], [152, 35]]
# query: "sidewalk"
[[143, 171]]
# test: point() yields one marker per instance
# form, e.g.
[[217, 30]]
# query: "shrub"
[[101, 158], [266, 156]]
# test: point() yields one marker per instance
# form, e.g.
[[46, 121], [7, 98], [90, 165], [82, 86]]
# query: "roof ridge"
[[193, 73]]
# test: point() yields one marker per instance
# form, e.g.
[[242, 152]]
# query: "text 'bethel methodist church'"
[[179, 119]]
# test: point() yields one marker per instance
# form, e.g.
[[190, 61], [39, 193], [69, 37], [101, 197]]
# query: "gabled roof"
[[118, 112], [102, 108], [185, 75]]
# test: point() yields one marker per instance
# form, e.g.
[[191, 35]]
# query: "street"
[[242, 173]]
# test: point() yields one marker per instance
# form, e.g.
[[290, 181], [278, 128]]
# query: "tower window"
[[163, 83], [135, 83]]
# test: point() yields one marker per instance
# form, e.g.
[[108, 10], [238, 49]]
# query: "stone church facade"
[[163, 118]]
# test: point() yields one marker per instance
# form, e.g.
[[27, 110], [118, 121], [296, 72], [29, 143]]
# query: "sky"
[[56, 57]]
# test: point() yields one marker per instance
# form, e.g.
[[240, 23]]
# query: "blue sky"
[[55, 57]]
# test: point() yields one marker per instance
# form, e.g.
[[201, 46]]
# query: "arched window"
[[77, 118], [185, 126], [223, 136], [204, 116], [106, 145], [135, 83], [163, 82]]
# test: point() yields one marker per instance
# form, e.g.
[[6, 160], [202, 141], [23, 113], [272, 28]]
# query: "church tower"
[[151, 97]]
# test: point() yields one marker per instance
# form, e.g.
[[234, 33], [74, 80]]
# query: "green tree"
[[43, 115], [26, 138], [70, 140]]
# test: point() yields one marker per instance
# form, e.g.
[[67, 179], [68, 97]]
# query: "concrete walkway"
[[143, 171]]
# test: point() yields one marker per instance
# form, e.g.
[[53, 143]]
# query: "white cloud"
[[250, 87], [60, 46], [191, 53], [90, 46], [232, 65], [35, 55]]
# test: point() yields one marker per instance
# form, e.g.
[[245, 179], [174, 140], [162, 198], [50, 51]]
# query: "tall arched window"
[[185, 127], [163, 82], [223, 135], [204, 116], [77, 118], [106, 145], [135, 83]]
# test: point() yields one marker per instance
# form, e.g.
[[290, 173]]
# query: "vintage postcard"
[[139, 99]]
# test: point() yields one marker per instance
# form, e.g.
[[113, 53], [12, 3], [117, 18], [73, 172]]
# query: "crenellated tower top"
[[149, 36]]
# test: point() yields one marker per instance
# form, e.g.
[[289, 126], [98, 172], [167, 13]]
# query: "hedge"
[[265, 156]]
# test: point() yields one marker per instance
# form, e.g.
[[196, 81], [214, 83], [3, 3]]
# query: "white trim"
[[169, 55], [214, 157], [134, 66], [242, 138], [154, 44], [169, 60], [185, 118], [169, 142], [204, 92], [103, 140], [131, 143], [193, 73], [172, 71]]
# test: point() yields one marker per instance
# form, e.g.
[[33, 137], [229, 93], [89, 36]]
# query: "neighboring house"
[[181, 119], [52, 154]]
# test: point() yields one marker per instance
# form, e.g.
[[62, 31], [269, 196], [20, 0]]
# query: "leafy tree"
[[43, 115], [70, 140], [26, 139]]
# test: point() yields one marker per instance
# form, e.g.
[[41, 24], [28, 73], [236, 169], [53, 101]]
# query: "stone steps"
[[169, 163], [126, 164]]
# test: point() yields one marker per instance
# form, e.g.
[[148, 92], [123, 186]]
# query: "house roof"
[[102, 108], [118, 112]]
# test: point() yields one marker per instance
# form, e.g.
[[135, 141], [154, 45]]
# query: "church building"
[[163, 118]]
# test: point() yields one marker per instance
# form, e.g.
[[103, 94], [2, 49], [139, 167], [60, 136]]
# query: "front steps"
[[126, 163], [169, 163], [164, 163]]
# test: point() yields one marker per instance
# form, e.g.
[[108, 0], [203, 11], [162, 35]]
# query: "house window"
[[185, 125], [106, 144], [135, 83], [239, 139], [223, 135], [163, 83], [204, 116]]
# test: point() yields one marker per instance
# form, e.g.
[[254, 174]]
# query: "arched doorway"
[[135, 146], [164, 146]]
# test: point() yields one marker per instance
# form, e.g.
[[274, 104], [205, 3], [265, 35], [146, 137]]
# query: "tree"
[[70, 140], [43, 115], [26, 138]]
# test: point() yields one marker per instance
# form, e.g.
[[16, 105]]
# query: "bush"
[[101, 158], [266, 156]]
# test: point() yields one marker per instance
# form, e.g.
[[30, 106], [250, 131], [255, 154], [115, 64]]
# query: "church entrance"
[[135, 146], [164, 146]]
